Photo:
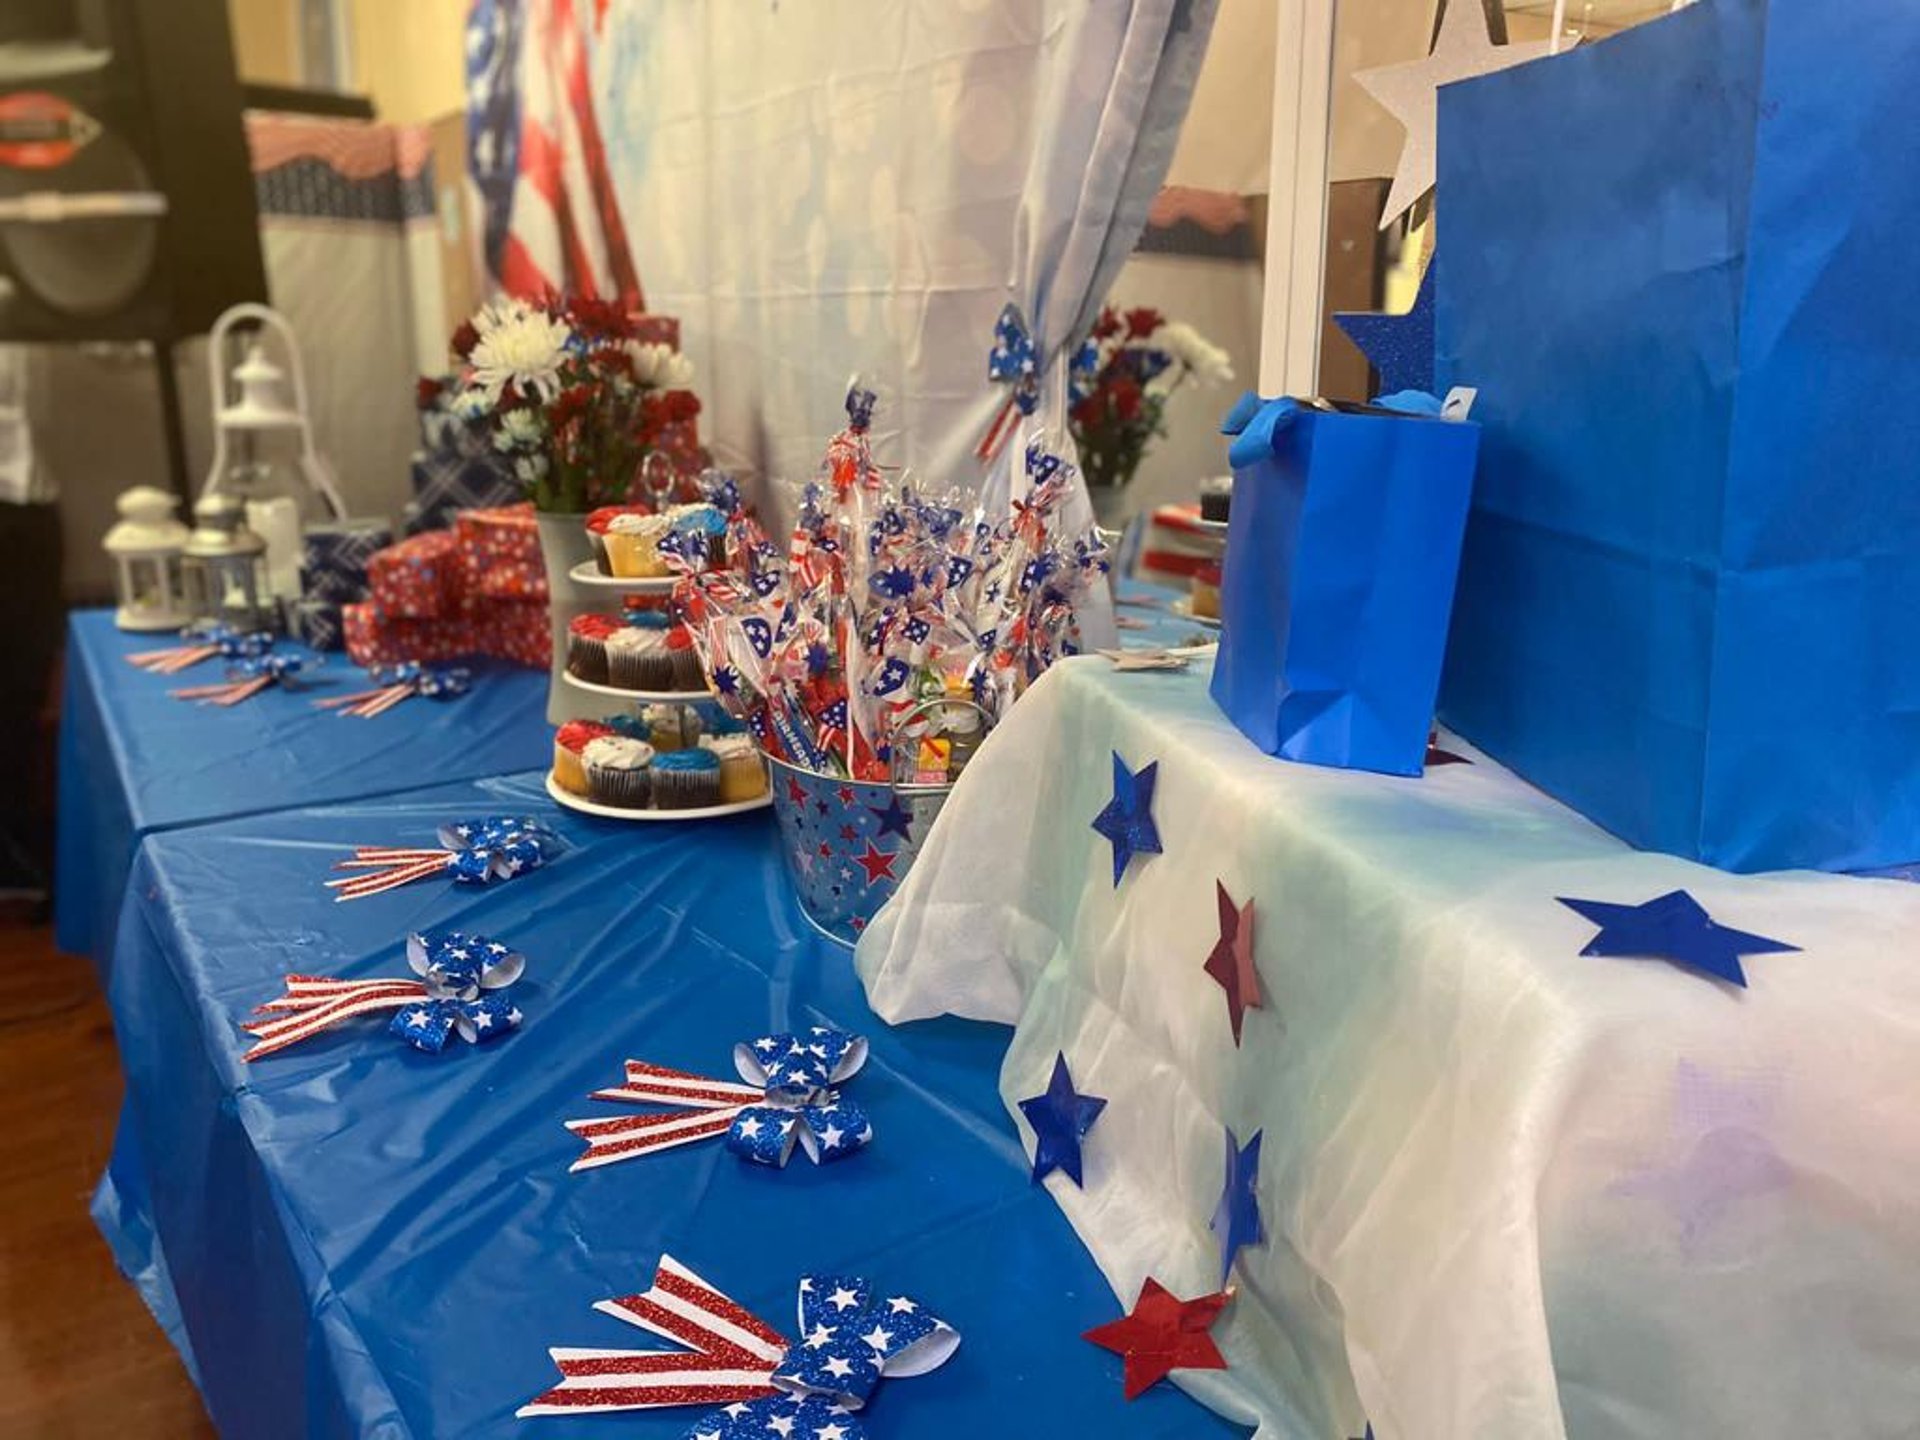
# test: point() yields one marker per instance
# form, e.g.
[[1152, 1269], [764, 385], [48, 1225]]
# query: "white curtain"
[[835, 186]]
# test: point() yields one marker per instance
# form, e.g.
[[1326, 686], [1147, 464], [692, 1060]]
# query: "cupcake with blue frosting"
[[686, 779]]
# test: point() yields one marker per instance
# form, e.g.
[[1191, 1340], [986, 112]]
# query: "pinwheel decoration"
[[788, 1101], [771, 1388], [472, 852], [464, 988]]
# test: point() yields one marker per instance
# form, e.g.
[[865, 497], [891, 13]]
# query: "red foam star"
[[796, 791], [846, 794], [1231, 960], [877, 863], [849, 834], [1164, 1333]]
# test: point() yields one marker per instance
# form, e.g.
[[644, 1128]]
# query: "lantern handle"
[[264, 317]]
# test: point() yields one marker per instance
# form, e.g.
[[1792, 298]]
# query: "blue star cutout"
[[1399, 347], [896, 819], [1236, 1220], [1673, 927], [1128, 819], [1060, 1118]]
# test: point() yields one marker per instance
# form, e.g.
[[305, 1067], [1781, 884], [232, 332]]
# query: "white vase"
[[563, 545]]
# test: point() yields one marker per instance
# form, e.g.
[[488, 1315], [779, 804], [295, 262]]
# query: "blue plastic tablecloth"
[[1145, 611], [134, 761], [361, 1239]]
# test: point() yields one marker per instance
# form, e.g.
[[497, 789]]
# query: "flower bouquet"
[[1122, 380], [572, 399]]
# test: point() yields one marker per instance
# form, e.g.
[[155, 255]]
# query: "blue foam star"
[[1399, 347], [1060, 1118], [1673, 927], [1236, 1219], [1127, 821], [896, 819]]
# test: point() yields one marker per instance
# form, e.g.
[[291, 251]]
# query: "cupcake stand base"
[[563, 796]]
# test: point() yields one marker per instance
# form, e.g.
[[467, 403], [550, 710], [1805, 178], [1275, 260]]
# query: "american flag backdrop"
[[552, 221]]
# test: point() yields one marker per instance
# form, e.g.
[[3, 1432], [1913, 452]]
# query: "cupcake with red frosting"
[[597, 523], [587, 646], [569, 743], [688, 672]]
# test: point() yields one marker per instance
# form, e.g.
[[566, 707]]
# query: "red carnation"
[[1108, 325], [464, 339], [1142, 322], [598, 319], [1126, 397], [426, 390], [573, 402]]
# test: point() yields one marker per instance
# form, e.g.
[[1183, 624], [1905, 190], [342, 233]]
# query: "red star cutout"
[[849, 834], [846, 794], [826, 851], [796, 791], [1231, 961], [877, 863], [1164, 1333]]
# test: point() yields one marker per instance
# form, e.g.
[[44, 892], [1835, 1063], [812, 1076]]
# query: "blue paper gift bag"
[[1341, 554], [1679, 269]]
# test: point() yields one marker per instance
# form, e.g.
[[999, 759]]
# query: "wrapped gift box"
[[1676, 264], [420, 578], [334, 565], [500, 550], [318, 624], [516, 631]]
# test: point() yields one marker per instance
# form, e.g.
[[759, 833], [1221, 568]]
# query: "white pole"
[[1559, 26], [1297, 197]]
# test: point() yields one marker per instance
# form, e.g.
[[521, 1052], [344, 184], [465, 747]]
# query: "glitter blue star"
[[1127, 822], [1399, 347], [1060, 1119], [1236, 1220], [1673, 927]]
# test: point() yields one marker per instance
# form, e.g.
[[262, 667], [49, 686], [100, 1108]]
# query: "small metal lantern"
[[225, 567], [146, 547]]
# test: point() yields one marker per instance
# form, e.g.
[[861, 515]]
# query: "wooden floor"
[[79, 1355]]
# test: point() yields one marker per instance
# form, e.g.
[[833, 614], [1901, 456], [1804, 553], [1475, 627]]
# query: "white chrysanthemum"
[[659, 367], [1207, 361], [495, 313], [530, 468], [526, 350], [471, 404], [521, 429]]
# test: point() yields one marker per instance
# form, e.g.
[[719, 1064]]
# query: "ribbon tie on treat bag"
[[770, 1388], [473, 852], [203, 642], [788, 1101], [464, 988], [1014, 362], [248, 677], [394, 683]]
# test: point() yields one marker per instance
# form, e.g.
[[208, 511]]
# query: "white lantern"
[[224, 566], [146, 547], [263, 451]]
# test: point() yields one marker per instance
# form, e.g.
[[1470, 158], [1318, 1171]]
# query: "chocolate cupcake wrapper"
[[687, 672], [628, 789], [682, 790], [587, 658], [643, 670]]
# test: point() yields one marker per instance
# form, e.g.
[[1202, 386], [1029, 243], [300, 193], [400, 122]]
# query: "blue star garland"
[[1673, 927], [1061, 1118], [1399, 347], [1236, 1220], [1127, 820]]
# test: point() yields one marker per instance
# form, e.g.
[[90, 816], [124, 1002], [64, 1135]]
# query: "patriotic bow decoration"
[[771, 1388], [1014, 362], [394, 683], [788, 1100], [203, 641], [249, 677], [473, 852], [463, 987]]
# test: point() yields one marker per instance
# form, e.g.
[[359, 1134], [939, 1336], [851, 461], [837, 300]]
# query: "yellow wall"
[[410, 56], [263, 40]]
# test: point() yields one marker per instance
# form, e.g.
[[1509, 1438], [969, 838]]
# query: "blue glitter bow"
[[851, 1337], [463, 988], [468, 980], [250, 675], [432, 681], [788, 1101], [473, 852]]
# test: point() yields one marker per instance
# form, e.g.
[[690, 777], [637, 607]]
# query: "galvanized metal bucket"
[[849, 843]]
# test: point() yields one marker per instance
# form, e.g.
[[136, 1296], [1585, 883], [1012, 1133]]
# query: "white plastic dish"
[[564, 796]]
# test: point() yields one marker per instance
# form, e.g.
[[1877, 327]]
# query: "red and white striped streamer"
[[388, 867], [314, 1002], [731, 1355], [174, 659], [365, 704], [712, 1107], [227, 692]]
